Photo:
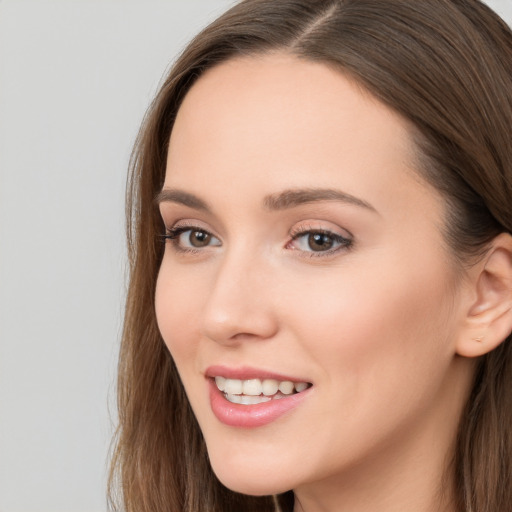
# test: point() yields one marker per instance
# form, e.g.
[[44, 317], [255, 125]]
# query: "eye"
[[319, 241], [191, 238]]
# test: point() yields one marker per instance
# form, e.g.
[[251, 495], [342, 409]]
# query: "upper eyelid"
[[314, 226], [183, 228], [327, 232], [307, 227], [187, 223], [297, 229]]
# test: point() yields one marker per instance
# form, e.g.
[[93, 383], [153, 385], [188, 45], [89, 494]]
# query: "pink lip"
[[250, 416]]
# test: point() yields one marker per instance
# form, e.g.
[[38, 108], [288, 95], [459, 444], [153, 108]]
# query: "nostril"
[[239, 307], [233, 324]]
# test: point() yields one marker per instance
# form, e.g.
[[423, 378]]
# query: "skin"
[[373, 325]]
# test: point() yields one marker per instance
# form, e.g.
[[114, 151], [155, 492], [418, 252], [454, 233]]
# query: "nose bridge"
[[238, 304]]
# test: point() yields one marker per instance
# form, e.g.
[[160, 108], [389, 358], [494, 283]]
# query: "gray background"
[[75, 79]]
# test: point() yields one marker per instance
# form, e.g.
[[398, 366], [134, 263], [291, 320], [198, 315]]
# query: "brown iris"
[[320, 241], [199, 238]]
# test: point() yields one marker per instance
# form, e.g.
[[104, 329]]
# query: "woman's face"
[[304, 248]]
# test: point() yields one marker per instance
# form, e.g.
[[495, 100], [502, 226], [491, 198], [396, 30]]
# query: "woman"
[[320, 296]]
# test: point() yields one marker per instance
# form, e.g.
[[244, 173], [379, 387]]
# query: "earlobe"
[[489, 318]]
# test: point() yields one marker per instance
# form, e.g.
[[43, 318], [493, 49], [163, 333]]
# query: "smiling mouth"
[[257, 391]]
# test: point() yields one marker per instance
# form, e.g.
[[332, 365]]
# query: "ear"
[[488, 319]]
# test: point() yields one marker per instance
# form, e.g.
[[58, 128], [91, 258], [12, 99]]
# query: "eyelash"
[[345, 243], [173, 235]]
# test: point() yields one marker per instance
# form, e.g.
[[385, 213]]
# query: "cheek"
[[375, 327], [177, 305], [379, 345]]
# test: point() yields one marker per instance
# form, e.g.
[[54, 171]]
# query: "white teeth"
[[247, 400], [233, 387], [300, 386], [254, 388], [286, 387], [234, 399], [270, 387], [221, 383]]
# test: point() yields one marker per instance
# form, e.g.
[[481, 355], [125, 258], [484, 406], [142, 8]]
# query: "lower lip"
[[250, 416]]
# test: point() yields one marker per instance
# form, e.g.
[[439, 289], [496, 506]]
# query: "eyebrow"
[[181, 197], [296, 197], [281, 201]]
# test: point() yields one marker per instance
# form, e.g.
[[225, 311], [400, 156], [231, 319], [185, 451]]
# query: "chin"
[[250, 477], [250, 486]]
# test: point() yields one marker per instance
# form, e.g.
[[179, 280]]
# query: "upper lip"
[[247, 372]]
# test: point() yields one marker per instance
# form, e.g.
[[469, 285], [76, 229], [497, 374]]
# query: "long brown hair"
[[446, 66]]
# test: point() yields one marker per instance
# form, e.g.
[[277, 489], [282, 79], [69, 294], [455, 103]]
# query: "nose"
[[240, 305]]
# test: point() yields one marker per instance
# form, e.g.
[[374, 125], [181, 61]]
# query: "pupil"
[[199, 238], [320, 242]]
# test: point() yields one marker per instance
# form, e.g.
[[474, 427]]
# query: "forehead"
[[263, 123]]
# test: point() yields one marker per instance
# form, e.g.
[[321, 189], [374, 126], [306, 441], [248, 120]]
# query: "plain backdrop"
[[75, 79]]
